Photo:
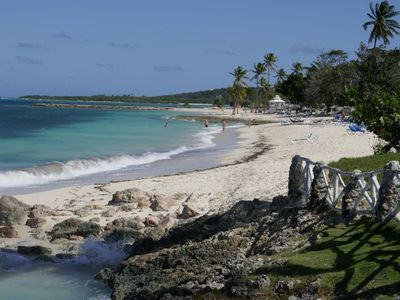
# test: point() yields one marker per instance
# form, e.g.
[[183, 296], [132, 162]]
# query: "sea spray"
[[97, 252]]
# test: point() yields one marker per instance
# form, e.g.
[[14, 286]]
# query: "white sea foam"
[[80, 167], [95, 252]]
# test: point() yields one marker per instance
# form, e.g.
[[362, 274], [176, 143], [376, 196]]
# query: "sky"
[[86, 47]]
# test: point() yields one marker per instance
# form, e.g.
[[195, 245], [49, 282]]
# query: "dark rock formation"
[[296, 183], [124, 229], [12, 211], [35, 222], [212, 252], [33, 250], [74, 227]]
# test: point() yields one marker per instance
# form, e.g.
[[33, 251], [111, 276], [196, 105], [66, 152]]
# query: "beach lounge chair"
[[310, 138], [355, 128], [296, 120]]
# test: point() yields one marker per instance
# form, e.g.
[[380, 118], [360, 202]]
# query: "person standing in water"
[[205, 123], [223, 125], [166, 124]]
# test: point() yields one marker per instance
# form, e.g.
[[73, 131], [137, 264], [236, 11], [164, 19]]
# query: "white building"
[[276, 104]]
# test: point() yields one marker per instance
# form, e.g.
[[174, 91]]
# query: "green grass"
[[354, 261], [366, 163]]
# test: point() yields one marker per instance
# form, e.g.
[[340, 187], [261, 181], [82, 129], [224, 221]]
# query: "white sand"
[[218, 188]]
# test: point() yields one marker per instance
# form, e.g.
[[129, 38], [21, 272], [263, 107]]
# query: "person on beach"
[[223, 125], [205, 123], [249, 122]]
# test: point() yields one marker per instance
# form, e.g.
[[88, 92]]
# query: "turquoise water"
[[45, 148], [43, 145], [21, 278]]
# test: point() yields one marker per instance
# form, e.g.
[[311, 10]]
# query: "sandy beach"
[[258, 168]]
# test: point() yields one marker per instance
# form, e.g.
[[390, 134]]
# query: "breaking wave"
[[80, 167]]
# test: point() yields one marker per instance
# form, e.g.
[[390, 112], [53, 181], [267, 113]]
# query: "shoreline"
[[256, 169]]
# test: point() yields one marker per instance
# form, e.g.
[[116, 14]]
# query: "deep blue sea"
[[50, 147]]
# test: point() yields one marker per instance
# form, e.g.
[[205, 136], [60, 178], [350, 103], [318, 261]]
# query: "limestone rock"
[[123, 229], [388, 204], [351, 192], [151, 221], [189, 211], [8, 232], [33, 250], [35, 222], [39, 211], [82, 212], [283, 286], [12, 211], [109, 213], [74, 227], [135, 195], [165, 203]]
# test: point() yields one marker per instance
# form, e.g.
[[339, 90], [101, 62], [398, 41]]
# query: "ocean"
[[47, 148], [44, 148]]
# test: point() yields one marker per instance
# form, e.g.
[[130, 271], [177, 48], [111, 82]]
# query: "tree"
[[258, 70], [239, 89], [329, 79], [378, 71], [281, 75], [297, 67], [293, 87], [270, 63], [382, 116], [382, 22], [266, 88]]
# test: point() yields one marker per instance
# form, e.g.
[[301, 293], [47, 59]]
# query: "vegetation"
[[356, 261], [366, 163], [208, 96], [382, 22], [239, 89]]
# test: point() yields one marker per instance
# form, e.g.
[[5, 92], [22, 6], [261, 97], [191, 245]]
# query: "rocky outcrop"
[[136, 196], [73, 227], [212, 252], [12, 211]]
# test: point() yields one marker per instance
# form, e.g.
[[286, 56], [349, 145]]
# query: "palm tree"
[[258, 70], [384, 26], [270, 63], [265, 87], [281, 75], [239, 87], [297, 67]]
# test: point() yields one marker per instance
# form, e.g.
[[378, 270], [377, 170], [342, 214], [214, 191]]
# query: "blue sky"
[[160, 47]]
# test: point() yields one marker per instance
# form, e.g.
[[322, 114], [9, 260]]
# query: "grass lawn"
[[354, 261], [366, 163]]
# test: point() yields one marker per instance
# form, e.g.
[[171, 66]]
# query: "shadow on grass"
[[364, 255]]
